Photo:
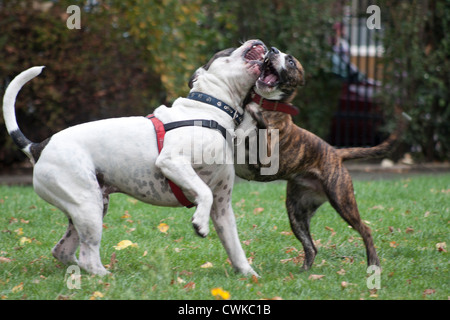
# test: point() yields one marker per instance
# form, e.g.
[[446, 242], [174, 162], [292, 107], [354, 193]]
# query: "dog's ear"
[[194, 77]]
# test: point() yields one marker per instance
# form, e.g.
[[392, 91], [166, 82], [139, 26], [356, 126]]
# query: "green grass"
[[408, 218]]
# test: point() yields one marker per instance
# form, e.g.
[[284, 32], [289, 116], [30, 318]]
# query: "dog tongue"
[[270, 78]]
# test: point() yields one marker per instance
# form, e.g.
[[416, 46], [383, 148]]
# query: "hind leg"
[[65, 249], [339, 188], [89, 223], [80, 198], [304, 196]]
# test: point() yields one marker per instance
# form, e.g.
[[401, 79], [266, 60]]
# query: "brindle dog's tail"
[[379, 150], [9, 113]]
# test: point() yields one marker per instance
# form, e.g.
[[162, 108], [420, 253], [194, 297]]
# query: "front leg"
[[179, 170], [225, 225]]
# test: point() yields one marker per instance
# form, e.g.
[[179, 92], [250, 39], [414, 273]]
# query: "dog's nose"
[[274, 50]]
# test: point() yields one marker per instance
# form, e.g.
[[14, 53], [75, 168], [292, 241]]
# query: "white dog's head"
[[231, 73]]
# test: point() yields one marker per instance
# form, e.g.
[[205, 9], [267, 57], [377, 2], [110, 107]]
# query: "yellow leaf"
[[206, 265], [126, 215], [163, 227], [24, 240], [219, 293], [125, 244], [19, 231], [95, 295]]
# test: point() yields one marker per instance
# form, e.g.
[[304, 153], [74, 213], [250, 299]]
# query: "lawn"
[[409, 218]]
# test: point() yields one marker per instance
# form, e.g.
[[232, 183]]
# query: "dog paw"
[[250, 272], [201, 229]]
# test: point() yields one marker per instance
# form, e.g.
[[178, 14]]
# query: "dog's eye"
[[291, 62]]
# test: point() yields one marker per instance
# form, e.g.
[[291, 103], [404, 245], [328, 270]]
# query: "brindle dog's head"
[[281, 75]]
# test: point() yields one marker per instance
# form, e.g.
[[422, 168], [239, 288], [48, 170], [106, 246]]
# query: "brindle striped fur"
[[316, 174]]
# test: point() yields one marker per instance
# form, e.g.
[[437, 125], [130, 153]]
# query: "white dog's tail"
[[9, 110]]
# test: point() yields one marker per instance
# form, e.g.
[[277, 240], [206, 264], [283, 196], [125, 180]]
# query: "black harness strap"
[[211, 124]]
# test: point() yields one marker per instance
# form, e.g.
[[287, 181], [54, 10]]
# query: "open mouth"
[[269, 75], [255, 53]]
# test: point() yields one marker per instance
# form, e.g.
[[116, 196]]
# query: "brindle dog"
[[314, 169]]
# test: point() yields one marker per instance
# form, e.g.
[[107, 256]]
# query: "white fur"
[[81, 165]]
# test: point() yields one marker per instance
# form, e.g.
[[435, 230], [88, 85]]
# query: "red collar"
[[274, 105]]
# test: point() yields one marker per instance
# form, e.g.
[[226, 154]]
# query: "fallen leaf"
[[274, 298], [219, 293], [95, 295], [393, 244], [180, 281], [409, 230], [4, 259], [125, 244], [428, 292], [24, 240], [316, 276], [189, 286], [19, 231], [286, 233], [258, 210], [18, 288], [441, 246], [373, 293], [344, 284], [126, 215], [341, 272], [206, 265], [163, 227], [331, 229]]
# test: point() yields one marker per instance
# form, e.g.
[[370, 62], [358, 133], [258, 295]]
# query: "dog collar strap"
[[205, 98], [160, 133], [274, 105]]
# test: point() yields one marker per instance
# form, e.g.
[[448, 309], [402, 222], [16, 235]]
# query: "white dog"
[[77, 168]]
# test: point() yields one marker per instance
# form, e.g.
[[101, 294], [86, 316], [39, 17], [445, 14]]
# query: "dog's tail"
[[379, 150], [9, 113]]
